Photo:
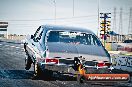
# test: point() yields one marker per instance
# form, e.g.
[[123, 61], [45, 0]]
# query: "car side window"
[[53, 36], [38, 34], [92, 40], [96, 41]]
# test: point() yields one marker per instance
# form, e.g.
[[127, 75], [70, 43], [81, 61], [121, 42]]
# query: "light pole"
[[73, 8], [55, 11], [98, 18]]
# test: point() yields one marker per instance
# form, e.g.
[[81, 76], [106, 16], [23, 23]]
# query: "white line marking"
[[22, 48], [21, 44], [0, 44], [7, 45], [12, 46], [17, 47]]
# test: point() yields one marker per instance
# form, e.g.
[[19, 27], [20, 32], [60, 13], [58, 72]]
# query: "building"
[[3, 30]]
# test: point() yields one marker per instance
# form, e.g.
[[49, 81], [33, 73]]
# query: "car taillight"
[[108, 64], [103, 64], [54, 61]]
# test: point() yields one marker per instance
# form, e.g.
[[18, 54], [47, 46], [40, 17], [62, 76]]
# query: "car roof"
[[67, 28]]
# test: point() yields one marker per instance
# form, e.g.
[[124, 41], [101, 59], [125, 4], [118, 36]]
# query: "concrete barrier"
[[122, 62], [16, 37], [119, 47]]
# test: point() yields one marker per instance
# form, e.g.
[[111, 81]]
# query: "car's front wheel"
[[28, 62]]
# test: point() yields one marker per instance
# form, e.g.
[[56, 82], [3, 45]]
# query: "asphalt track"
[[13, 74]]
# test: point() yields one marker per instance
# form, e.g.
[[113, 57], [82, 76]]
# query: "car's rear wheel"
[[28, 62], [42, 73], [81, 79], [37, 70]]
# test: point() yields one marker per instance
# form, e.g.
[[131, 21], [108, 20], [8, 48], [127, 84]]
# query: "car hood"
[[70, 50]]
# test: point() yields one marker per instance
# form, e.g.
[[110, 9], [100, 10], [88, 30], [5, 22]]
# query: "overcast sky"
[[25, 16]]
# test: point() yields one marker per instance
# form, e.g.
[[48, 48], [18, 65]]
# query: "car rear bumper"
[[62, 65]]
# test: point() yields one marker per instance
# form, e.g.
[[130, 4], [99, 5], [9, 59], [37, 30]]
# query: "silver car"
[[62, 48]]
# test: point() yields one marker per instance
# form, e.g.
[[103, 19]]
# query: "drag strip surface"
[[13, 74]]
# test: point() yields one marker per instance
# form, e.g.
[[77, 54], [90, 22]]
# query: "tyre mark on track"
[[57, 84], [3, 74], [17, 47], [7, 45], [16, 74]]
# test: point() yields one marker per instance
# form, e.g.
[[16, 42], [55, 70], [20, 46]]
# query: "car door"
[[35, 42]]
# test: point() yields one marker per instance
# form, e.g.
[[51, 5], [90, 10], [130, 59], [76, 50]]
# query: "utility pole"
[[120, 26], [104, 26], [55, 11], [98, 17], [73, 8], [130, 22], [114, 25], [114, 21], [120, 22]]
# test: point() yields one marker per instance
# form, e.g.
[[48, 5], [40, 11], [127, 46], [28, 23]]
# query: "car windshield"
[[73, 37]]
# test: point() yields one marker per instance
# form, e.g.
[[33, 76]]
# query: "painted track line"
[[7, 45], [17, 47], [12, 46], [22, 48]]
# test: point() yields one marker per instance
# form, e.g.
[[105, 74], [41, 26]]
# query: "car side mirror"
[[32, 36]]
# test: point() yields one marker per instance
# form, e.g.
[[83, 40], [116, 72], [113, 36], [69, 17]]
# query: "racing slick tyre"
[[37, 70], [47, 74], [81, 79], [28, 62]]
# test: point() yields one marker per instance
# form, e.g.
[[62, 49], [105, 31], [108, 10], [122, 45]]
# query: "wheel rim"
[[36, 68]]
